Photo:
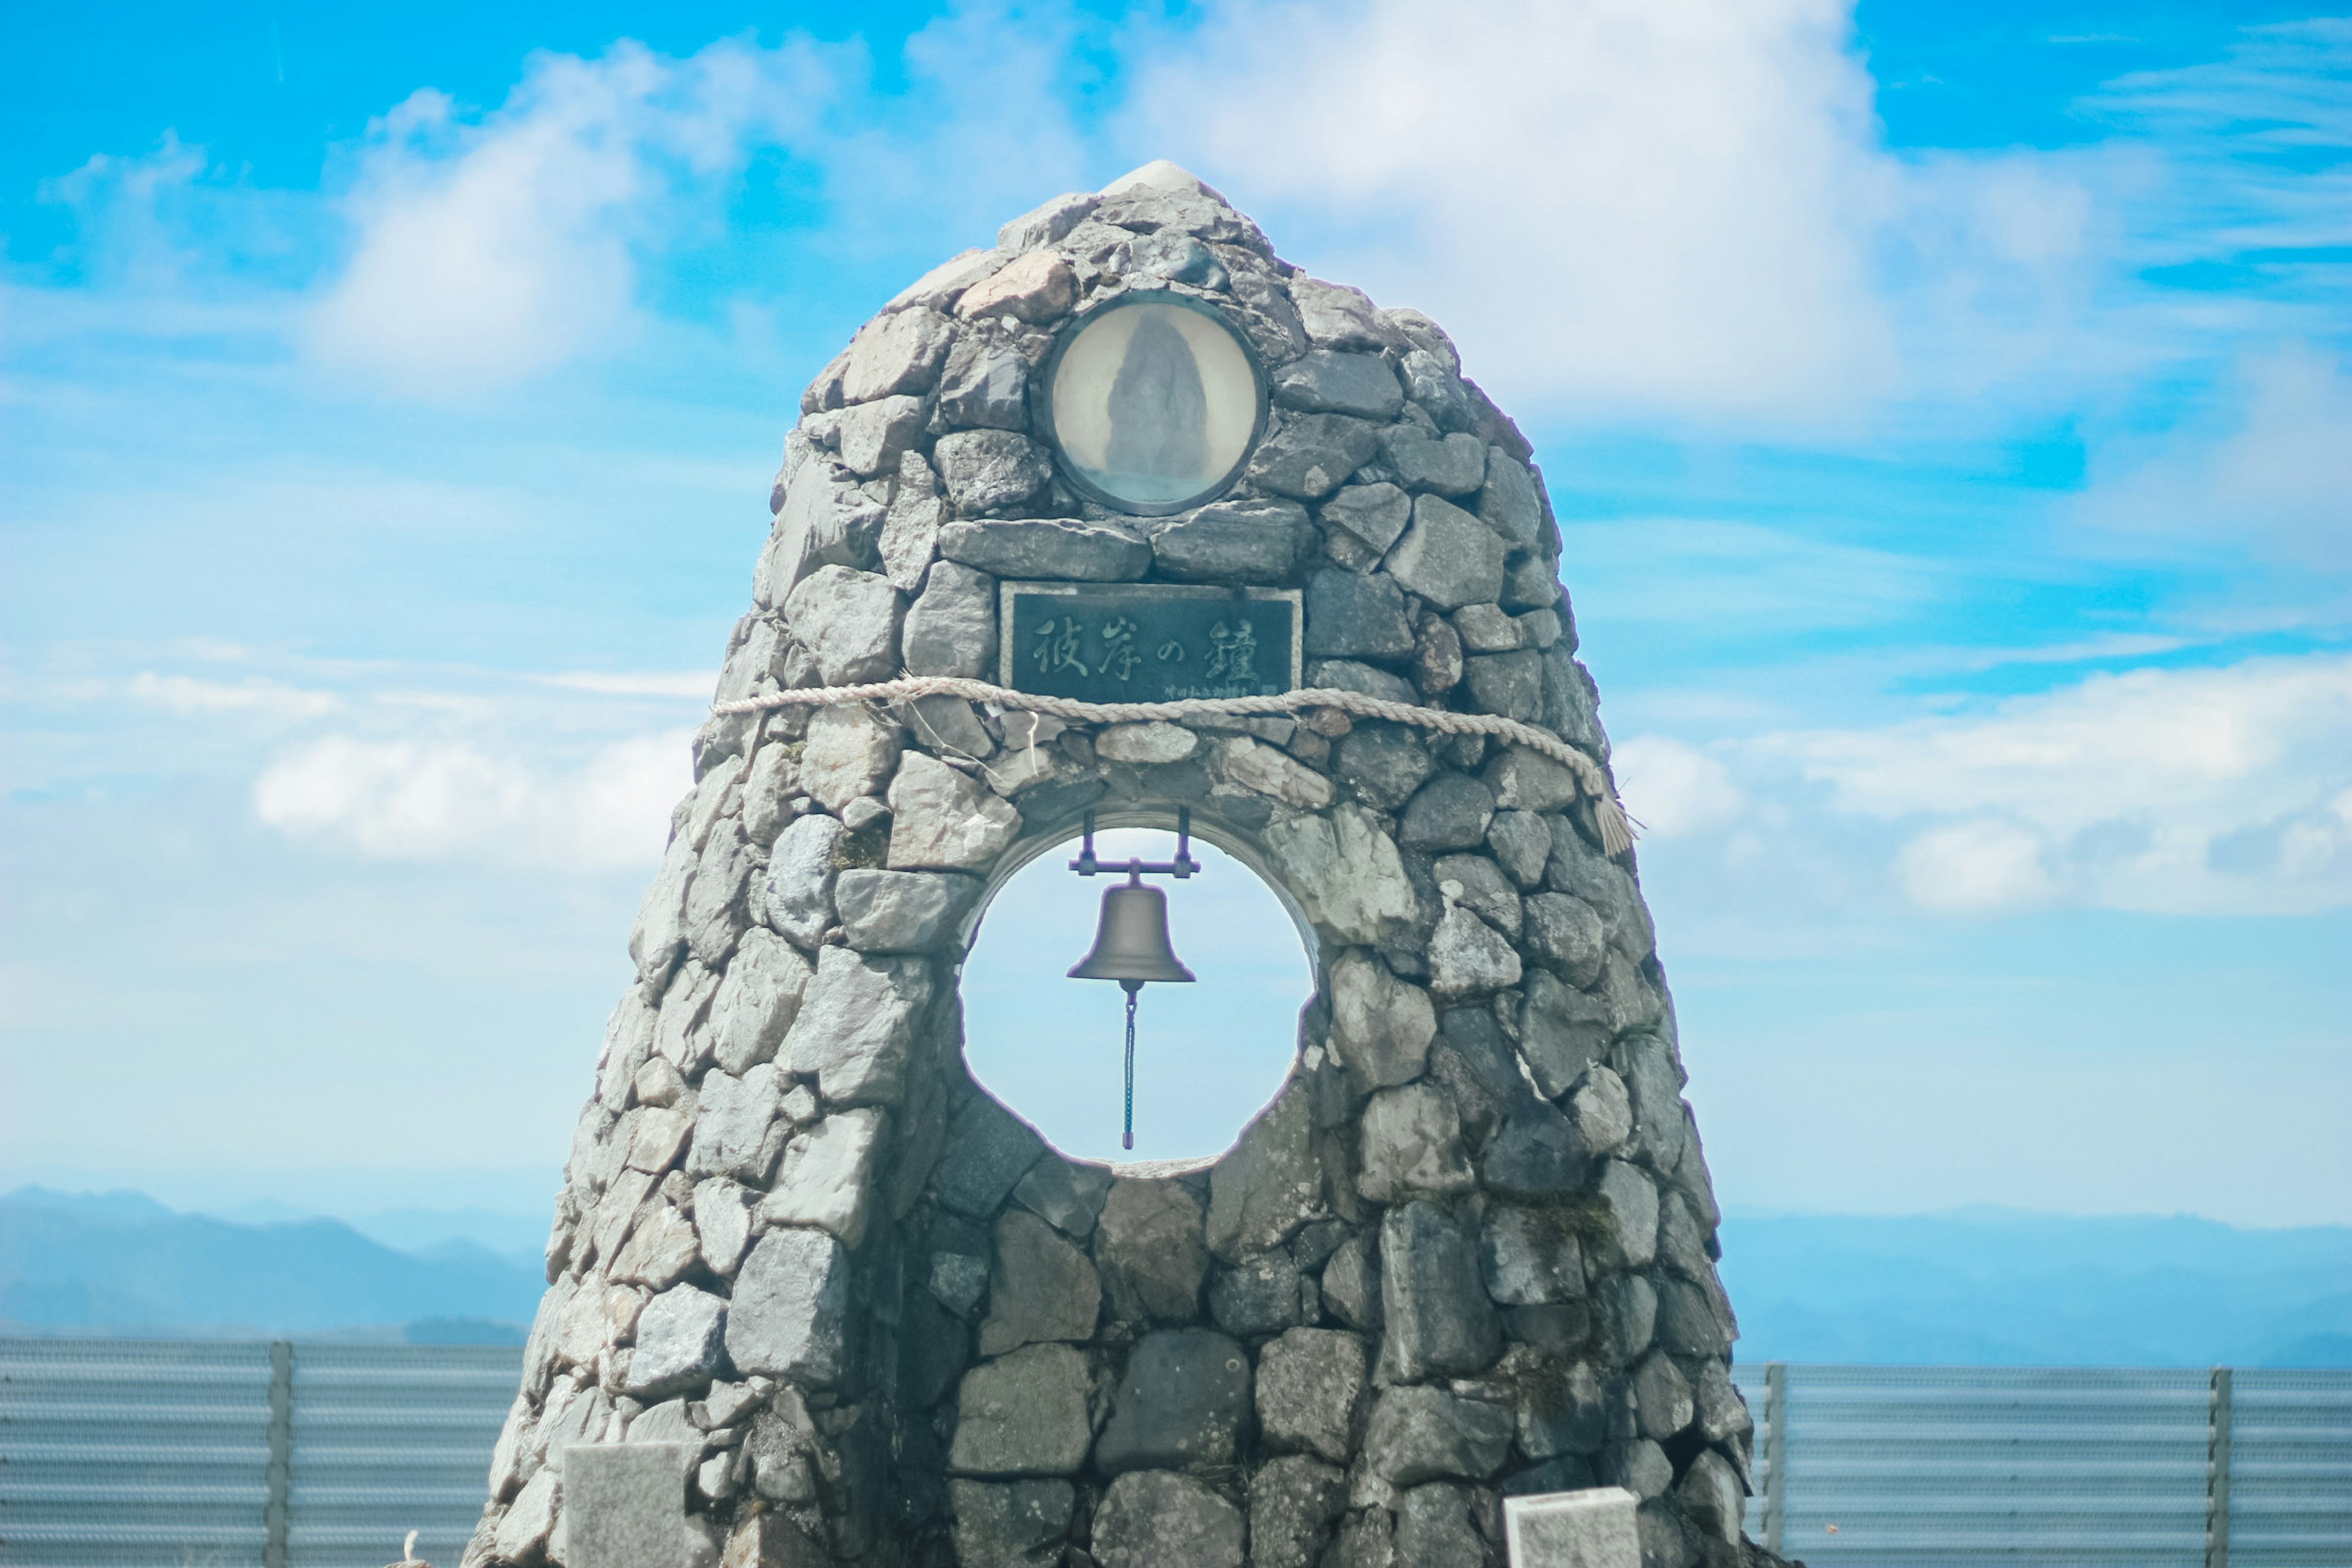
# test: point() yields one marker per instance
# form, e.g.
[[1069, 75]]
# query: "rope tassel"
[[1609, 813]]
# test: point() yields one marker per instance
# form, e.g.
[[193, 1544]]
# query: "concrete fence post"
[[1776, 1450], [280, 1474], [2217, 1472]]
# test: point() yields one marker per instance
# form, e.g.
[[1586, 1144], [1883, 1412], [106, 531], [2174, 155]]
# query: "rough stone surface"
[[1269, 1184], [757, 1000], [1530, 1256], [1412, 1143], [1038, 288], [1451, 811], [849, 620], [1373, 514], [1536, 1154], [789, 1310], [1311, 1393], [1380, 1025], [1346, 872], [984, 387], [680, 1333], [874, 435], [850, 755], [1181, 1404], [1233, 541], [985, 469], [1435, 1525], [1447, 556], [1309, 455], [950, 628], [1468, 957], [1146, 745], [1024, 1415], [1048, 547], [1567, 935], [1011, 1524], [1384, 763], [1438, 1318], [902, 911], [1294, 1502], [1258, 1297], [899, 353], [1042, 1289], [856, 1025], [1153, 1254], [1153, 1519], [1631, 1202], [941, 819], [1323, 382], [1444, 465], [1510, 684], [1351, 1283], [1351, 616], [827, 1175], [989, 1150], [1421, 1434]]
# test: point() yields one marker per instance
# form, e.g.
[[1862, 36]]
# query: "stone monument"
[[1130, 454]]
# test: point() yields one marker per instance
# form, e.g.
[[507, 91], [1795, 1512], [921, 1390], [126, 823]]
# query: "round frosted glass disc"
[[1155, 404]]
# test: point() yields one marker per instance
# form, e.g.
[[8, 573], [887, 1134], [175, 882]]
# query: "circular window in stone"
[[1154, 401], [1208, 1055]]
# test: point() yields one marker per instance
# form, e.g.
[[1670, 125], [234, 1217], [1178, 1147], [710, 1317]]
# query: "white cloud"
[[1675, 790], [190, 696], [2272, 479], [2213, 790], [487, 251], [436, 800], [694, 683]]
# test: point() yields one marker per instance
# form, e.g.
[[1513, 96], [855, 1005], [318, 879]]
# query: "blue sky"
[[1948, 409]]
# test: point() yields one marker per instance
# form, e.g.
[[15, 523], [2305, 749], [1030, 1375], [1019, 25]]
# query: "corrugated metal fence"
[[145, 1454], [2072, 1468], [194, 1454]]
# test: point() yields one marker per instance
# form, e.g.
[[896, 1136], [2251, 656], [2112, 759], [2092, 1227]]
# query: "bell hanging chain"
[[1127, 1135]]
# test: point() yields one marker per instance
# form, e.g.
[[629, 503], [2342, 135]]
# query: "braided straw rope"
[[1616, 830]]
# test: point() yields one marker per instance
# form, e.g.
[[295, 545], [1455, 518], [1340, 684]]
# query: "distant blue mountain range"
[[122, 1263], [1995, 1288], [1980, 1286]]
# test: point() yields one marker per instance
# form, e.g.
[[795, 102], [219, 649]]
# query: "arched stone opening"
[[1467, 1249], [1210, 1056]]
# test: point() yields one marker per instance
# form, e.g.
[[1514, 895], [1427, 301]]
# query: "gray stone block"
[[1448, 466], [1048, 547], [791, 1307], [1383, 764], [1482, 888], [1310, 1392], [1067, 1195], [1447, 556], [1233, 541], [1438, 1318], [1372, 514], [985, 469], [1562, 1031], [1153, 1519], [1437, 1527], [1508, 503], [1380, 1025], [874, 435], [1269, 1183], [856, 1025], [1152, 1248], [679, 1336], [1510, 684], [1537, 1154], [1419, 1434], [1024, 1414], [1011, 1524], [986, 385], [1351, 616], [1467, 957], [1309, 455], [1530, 1256], [1323, 382], [902, 911], [624, 1505], [1181, 1404], [1294, 1502], [950, 628], [1258, 1297], [1567, 933], [897, 353], [1451, 811], [849, 621], [989, 1150], [1411, 1143], [1041, 1289]]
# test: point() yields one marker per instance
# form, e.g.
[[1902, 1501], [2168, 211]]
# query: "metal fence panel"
[[133, 1454], [142, 1454], [2291, 1470], [391, 1438]]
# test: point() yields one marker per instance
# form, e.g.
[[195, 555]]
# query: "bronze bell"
[[1131, 945]]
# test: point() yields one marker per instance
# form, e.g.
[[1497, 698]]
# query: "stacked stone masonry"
[[1468, 1251]]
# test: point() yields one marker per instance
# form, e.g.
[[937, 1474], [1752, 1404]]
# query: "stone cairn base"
[[1468, 1251]]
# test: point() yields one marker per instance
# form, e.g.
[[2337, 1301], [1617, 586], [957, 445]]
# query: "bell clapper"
[[1132, 944]]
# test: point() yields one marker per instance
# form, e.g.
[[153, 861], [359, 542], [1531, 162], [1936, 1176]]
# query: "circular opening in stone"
[[1155, 402], [1208, 1055]]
